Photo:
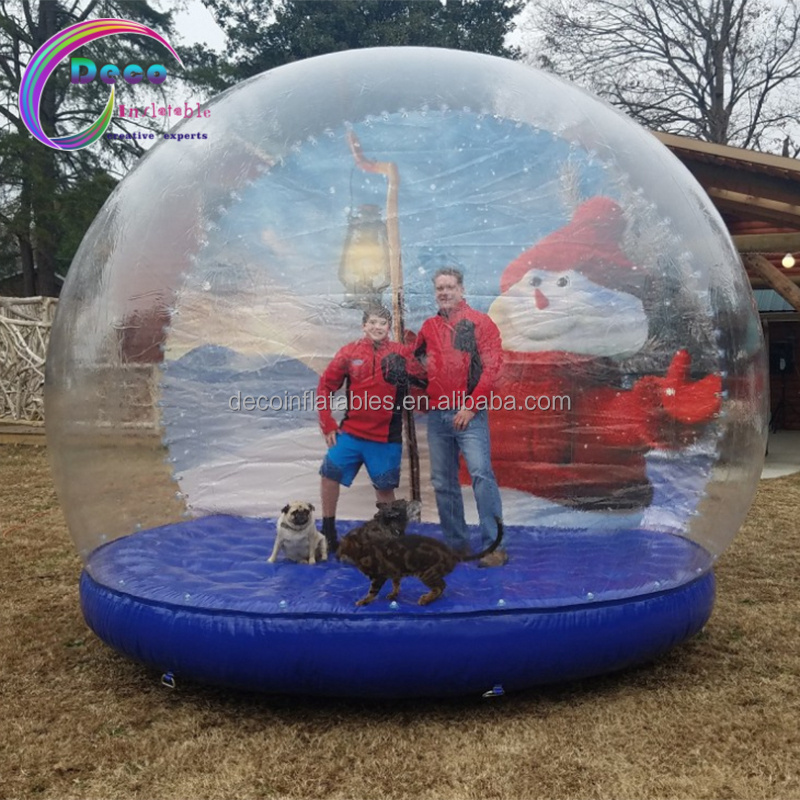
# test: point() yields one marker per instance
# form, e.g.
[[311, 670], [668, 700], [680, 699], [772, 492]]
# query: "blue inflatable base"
[[198, 599]]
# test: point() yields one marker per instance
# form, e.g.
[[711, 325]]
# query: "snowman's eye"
[[562, 282], [536, 281]]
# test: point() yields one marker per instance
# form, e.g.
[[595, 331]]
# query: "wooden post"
[[788, 290], [392, 174]]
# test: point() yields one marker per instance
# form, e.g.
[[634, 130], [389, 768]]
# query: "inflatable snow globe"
[[625, 410]]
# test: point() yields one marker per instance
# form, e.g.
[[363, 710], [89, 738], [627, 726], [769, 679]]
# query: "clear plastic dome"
[[220, 278]]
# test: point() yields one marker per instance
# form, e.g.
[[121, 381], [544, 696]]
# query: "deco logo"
[[56, 49]]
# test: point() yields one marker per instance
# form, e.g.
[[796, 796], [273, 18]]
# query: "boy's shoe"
[[333, 543], [329, 532], [496, 559]]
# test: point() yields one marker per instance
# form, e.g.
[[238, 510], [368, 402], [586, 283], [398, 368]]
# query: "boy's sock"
[[329, 532]]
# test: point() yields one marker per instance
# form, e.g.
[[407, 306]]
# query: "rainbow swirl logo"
[[50, 55]]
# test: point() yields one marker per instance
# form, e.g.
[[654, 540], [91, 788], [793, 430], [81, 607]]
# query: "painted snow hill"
[[236, 399]]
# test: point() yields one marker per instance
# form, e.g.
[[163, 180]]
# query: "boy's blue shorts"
[[382, 459]]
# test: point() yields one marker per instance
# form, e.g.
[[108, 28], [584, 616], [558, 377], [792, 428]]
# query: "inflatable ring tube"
[[396, 657]]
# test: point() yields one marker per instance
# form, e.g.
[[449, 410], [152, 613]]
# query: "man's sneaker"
[[496, 559]]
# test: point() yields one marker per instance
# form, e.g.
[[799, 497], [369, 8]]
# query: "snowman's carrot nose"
[[541, 301]]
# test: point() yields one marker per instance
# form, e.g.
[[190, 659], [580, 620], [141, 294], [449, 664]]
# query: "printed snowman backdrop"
[[570, 310]]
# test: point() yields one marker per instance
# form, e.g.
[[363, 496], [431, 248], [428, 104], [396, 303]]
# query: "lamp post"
[[390, 171], [364, 267]]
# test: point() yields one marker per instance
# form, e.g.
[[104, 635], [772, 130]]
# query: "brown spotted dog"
[[383, 558]]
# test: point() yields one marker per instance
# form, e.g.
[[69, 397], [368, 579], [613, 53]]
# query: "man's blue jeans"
[[445, 443]]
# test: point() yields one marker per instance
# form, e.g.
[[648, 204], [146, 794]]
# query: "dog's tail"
[[492, 547]]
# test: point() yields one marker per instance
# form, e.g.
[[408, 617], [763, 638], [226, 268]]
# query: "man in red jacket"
[[463, 356], [376, 374]]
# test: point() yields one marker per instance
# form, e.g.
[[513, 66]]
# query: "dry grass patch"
[[716, 718]]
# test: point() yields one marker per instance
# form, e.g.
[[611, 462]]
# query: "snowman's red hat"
[[589, 243]]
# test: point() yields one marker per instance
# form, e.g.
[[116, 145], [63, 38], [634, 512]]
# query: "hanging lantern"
[[364, 268]]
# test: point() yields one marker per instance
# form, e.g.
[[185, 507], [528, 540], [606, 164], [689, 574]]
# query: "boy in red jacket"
[[376, 372]]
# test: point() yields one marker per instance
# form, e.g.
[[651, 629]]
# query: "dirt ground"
[[715, 718]]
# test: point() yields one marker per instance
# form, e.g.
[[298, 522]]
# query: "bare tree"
[[727, 71]]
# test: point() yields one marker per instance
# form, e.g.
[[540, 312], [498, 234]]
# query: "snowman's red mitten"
[[670, 411], [687, 401]]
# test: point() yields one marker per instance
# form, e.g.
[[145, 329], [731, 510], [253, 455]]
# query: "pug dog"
[[297, 536]]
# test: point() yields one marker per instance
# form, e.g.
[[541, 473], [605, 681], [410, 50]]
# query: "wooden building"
[[758, 196]]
